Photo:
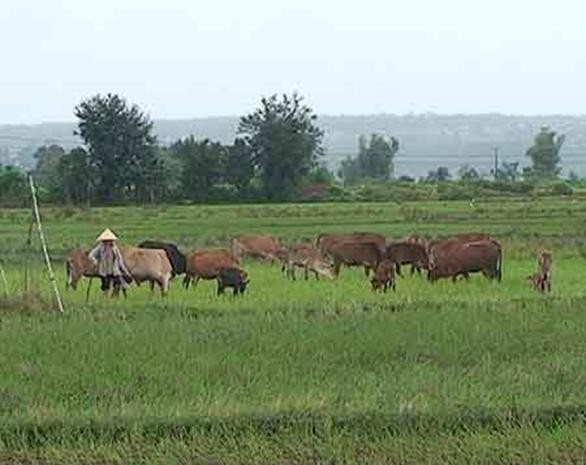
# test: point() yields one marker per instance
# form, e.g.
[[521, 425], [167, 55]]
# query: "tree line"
[[276, 155]]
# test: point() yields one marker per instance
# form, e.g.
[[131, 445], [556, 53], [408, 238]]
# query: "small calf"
[[541, 280], [232, 277], [384, 276]]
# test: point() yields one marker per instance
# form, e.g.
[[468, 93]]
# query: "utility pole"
[[496, 161]]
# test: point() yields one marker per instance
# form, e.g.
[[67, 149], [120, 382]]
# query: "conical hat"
[[107, 235]]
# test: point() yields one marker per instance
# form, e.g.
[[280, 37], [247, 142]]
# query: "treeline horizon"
[[276, 156]]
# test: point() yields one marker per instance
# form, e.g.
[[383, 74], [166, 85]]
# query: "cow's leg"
[[306, 272], [186, 280], [337, 265], [235, 292], [398, 269], [367, 270], [220, 288], [152, 285], [164, 284]]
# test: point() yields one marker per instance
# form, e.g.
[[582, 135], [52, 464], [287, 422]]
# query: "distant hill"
[[427, 140]]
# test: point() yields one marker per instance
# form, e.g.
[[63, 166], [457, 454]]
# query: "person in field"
[[110, 265]]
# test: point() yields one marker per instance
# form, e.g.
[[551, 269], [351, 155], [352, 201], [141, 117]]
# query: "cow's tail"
[[67, 273], [499, 265]]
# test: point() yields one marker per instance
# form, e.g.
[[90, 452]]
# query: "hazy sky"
[[189, 58]]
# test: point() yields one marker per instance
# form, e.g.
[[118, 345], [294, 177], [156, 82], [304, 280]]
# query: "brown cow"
[[407, 253], [206, 264], [541, 280], [443, 246], [308, 257], [257, 246], [325, 242], [367, 254], [384, 276], [457, 258], [150, 265]]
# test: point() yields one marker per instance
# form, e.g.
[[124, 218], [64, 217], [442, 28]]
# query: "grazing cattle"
[[257, 246], [143, 264], [309, 258], [541, 280], [326, 241], [455, 258], [176, 258], [206, 264], [407, 253], [384, 276], [78, 265], [367, 254], [232, 277]]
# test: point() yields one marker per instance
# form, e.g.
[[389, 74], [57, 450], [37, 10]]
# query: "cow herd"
[[452, 257]]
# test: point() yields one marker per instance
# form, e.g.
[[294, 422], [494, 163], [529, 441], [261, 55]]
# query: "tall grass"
[[303, 371]]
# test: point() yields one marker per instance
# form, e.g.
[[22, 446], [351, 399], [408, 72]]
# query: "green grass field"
[[301, 372]]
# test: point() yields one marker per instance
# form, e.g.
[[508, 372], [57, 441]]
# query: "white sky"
[[190, 58]]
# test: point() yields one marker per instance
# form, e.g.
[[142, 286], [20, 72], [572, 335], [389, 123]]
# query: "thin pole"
[[87, 292], [44, 245], [496, 161], [4, 280]]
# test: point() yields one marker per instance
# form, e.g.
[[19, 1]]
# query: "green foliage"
[[508, 172], [545, 154], [374, 160], [74, 174], [46, 173], [202, 165], [13, 186], [239, 169], [468, 174], [441, 174], [121, 148], [285, 142]]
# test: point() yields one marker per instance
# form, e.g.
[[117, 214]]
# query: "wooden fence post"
[[44, 245]]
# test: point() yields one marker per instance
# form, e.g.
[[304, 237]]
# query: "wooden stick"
[[4, 280], [44, 244], [87, 292]]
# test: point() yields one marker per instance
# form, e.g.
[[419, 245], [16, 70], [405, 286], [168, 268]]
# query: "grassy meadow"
[[305, 371]]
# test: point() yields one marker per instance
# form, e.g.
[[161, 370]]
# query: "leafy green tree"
[[468, 174], [121, 147], [13, 186], [374, 160], [285, 142], [46, 172], [202, 165], [75, 176], [545, 154], [442, 174], [239, 165], [508, 171]]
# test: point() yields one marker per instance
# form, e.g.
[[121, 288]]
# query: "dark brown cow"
[[455, 258], [206, 264], [257, 246], [443, 246], [325, 242], [407, 253], [366, 254], [308, 257], [384, 276]]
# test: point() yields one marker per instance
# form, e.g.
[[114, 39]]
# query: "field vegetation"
[[306, 371]]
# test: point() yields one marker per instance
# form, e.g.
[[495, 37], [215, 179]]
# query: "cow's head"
[[324, 269], [76, 265], [74, 274]]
